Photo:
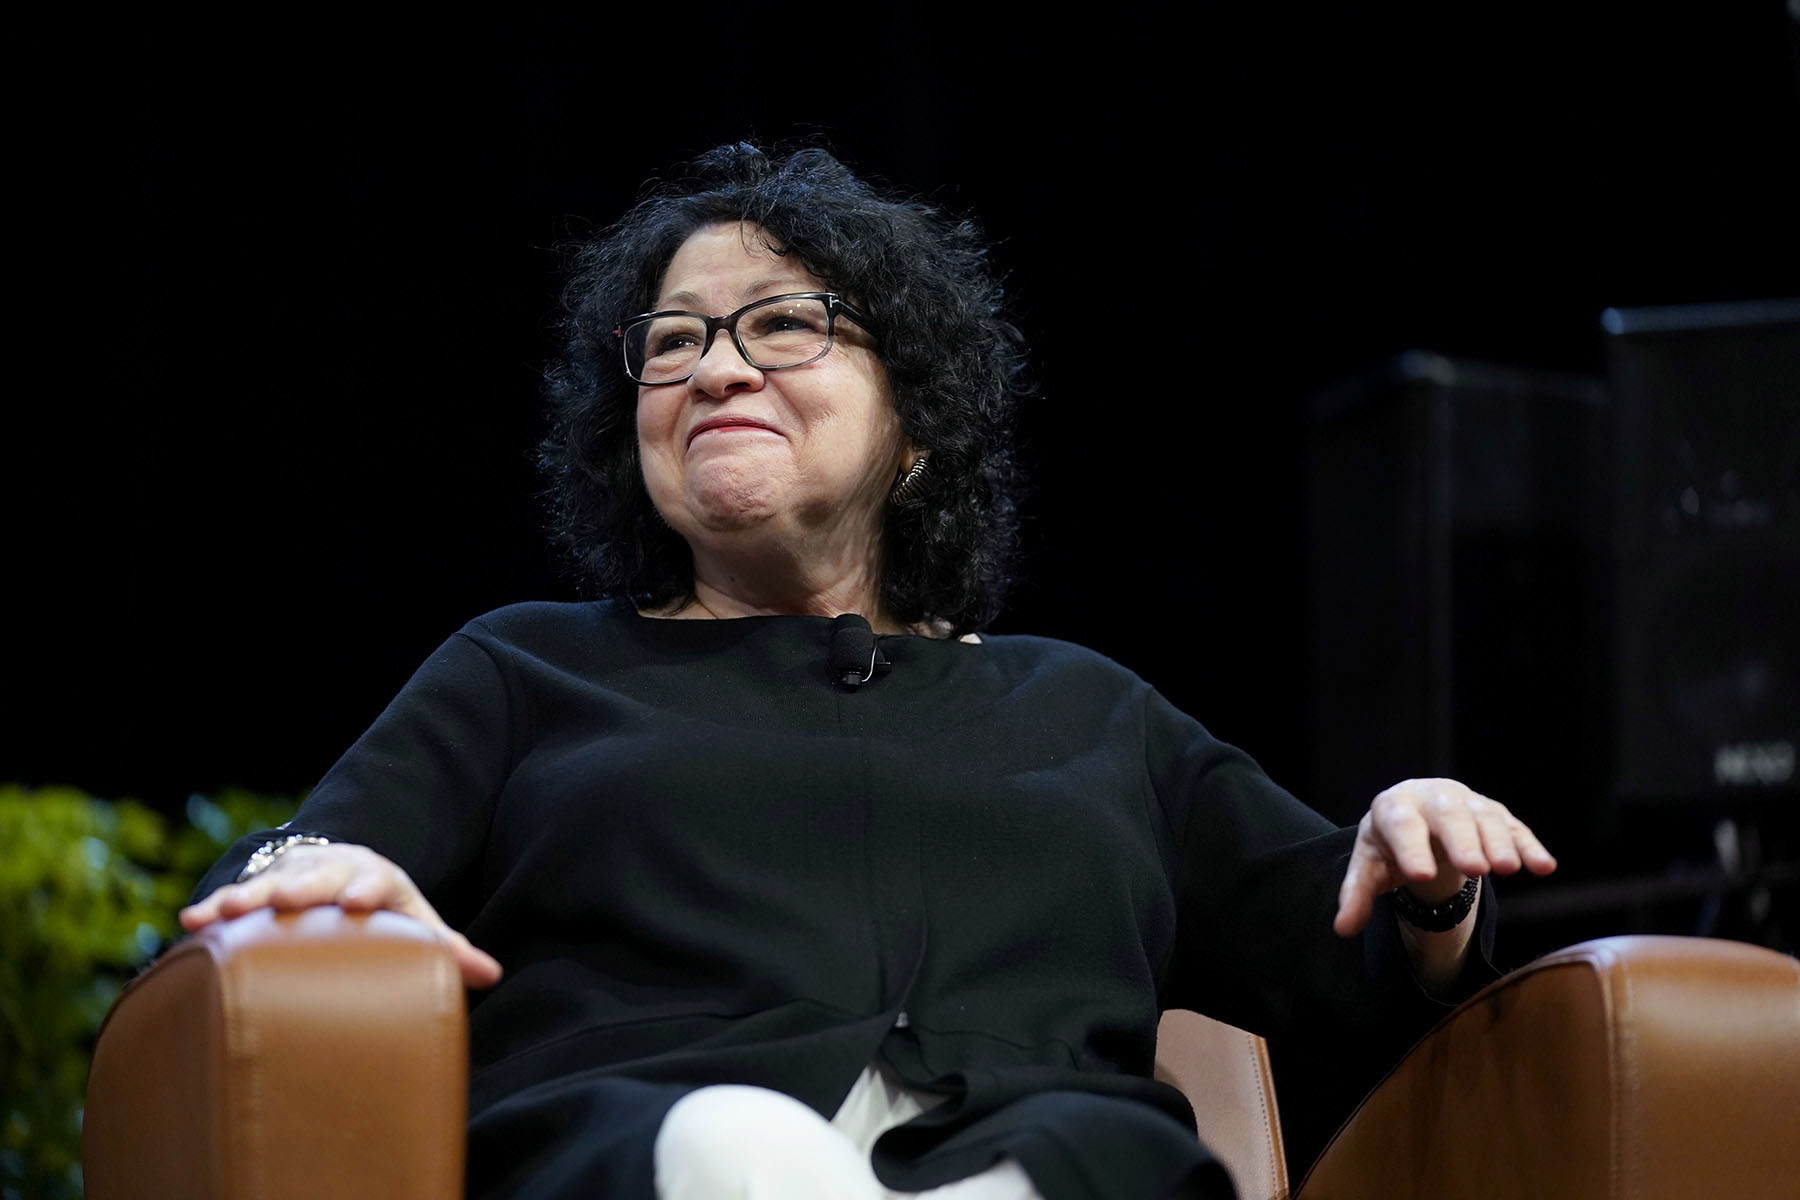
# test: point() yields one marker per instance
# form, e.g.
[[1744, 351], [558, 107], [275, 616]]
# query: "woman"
[[744, 918]]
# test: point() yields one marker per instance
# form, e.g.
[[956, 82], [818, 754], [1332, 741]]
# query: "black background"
[[284, 295]]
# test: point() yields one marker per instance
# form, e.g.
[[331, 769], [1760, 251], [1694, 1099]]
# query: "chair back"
[[1224, 1073]]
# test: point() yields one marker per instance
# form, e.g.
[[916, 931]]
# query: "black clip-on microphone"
[[855, 654]]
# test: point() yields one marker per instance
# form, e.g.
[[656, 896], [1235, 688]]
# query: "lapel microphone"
[[855, 654]]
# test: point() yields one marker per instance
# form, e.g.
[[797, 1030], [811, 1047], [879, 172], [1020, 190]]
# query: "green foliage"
[[88, 894]]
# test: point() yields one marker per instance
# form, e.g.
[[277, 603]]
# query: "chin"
[[728, 510]]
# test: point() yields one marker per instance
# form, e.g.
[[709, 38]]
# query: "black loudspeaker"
[[1456, 531], [1706, 542], [1581, 599]]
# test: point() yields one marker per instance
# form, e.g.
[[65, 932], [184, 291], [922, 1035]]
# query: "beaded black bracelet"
[[1439, 917]]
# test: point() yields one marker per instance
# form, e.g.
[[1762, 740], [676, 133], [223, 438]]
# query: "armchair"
[[321, 1054]]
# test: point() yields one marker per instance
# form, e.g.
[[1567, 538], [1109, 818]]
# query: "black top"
[[701, 861]]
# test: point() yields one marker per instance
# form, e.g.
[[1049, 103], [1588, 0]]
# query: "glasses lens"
[[785, 331], [664, 348]]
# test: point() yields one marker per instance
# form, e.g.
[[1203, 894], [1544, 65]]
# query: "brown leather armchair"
[[321, 1054]]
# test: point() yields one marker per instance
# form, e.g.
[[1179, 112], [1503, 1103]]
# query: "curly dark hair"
[[955, 365]]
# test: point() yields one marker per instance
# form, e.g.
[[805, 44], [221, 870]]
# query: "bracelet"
[[268, 852], [1440, 917]]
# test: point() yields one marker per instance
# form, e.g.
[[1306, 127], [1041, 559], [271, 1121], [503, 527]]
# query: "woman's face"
[[733, 450]]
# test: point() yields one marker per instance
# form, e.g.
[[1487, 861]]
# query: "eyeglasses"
[[772, 335]]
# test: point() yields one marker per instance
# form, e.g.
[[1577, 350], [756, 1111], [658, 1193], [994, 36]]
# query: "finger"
[[307, 885], [1453, 812], [377, 885], [240, 898], [399, 894], [1538, 859], [381, 884], [201, 913], [479, 968], [281, 885], [1355, 905], [1398, 821], [1498, 839], [391, 888], [231, 900], [1368, 875]]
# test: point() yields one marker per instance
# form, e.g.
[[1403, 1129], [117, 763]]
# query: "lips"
[[733, 422]]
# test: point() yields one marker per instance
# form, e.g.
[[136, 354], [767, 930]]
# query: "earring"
[[906, 493]]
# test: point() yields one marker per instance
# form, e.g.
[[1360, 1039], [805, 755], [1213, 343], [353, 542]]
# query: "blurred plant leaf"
[[88, 894]]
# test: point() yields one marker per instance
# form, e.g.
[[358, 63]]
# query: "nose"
[[722, 370]]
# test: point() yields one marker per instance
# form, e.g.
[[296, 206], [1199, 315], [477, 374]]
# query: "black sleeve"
[[420, 785], [1257, 889]]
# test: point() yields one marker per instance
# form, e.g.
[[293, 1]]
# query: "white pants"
[[732, 1142]]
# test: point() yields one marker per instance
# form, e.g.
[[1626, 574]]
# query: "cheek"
[[870, 417], [889, 436], [655, 419], [654, 425]]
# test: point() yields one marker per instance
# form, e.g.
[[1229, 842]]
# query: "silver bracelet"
[[268, 852]]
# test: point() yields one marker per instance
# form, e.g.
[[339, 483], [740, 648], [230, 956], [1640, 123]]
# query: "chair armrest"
[[1637, 1068], [307, 1054]]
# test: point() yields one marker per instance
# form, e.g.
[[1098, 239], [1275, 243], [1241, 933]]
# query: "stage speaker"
[[1706, 549], [1457, 526], [1581, 596]]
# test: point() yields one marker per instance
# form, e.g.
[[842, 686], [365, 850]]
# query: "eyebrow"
[[755, 291]]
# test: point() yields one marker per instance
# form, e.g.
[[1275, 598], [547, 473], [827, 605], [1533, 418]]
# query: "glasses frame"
[[834, 304]]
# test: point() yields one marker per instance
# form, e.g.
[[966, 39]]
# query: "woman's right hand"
[[356, 879]]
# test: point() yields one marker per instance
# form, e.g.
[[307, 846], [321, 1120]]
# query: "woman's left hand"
[[1431, 835]]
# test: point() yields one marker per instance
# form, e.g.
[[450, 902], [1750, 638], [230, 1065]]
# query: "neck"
[[723, 603], [785, 584]]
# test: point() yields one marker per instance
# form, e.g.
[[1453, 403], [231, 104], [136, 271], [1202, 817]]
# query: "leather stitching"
[[1277, 1168]]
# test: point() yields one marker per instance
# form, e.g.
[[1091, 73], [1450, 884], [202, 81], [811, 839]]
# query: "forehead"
[[730, 263]]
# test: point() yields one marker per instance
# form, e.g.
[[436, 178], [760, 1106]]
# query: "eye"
[[671, 341], [804, 318]]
